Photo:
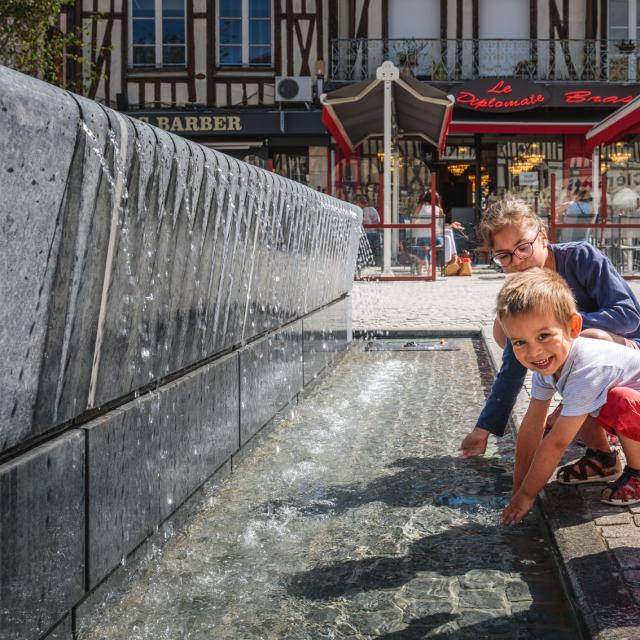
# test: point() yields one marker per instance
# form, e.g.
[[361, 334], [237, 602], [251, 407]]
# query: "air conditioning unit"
[[294, 88]]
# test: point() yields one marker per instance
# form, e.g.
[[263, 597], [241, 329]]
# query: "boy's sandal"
[[624, 491], [590, 468]]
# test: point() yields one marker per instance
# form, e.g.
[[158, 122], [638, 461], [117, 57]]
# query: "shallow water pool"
[[357, 519]]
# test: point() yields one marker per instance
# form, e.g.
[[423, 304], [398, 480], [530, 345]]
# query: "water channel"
[[356, 518]]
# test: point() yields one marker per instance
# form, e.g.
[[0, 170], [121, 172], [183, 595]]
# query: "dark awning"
[[354, 113]]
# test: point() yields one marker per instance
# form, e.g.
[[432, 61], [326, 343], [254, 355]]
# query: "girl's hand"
[[457, 225], [517, 509]]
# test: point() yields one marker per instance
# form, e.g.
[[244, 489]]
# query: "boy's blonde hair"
[[536, 291], [504, 212]]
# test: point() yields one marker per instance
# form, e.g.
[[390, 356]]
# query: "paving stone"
[[518, 592], [486, 579], [627, 531], [621, 542], [614, 518], [482, 599], [627, 557], [376, 622]]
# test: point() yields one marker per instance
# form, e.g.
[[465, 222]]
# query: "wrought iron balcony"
[[356, 59]]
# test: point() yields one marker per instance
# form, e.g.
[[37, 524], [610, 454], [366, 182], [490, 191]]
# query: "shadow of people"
[[455, 551], [418, 482]]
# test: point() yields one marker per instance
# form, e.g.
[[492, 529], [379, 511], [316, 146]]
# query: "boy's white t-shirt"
[[591, 369]]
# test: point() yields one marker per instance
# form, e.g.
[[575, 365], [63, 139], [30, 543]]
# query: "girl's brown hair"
[[506, 212]]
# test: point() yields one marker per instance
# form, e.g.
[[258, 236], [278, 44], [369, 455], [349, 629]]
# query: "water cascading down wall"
[[159, 304]]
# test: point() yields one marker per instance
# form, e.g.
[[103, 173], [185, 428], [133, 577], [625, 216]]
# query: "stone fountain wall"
[[159, 304]]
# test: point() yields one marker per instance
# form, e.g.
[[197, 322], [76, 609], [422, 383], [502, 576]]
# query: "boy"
[[594, 377]]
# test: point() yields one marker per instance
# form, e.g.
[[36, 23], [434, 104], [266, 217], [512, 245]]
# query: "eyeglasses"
[[522, 251]]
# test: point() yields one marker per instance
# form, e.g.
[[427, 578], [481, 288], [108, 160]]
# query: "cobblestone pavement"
[[598, 545]]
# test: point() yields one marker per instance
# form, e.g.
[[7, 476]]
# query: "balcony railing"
[[356, 59]]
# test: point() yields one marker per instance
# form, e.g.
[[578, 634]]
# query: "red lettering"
[[576, 96], [572, 97], [477, 102], [500, 87]]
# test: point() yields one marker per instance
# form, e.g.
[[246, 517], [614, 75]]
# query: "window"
[[157, 33], [624, 20], [244, 33]]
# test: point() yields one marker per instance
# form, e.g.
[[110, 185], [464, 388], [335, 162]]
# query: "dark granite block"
[[123, 486], [200, 429], [324, 335], [270, 376], [41, 537], [146, 458]]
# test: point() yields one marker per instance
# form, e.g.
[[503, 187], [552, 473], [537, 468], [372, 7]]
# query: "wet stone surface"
[[357, 519]]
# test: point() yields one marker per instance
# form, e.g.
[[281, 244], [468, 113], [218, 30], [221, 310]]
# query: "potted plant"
[[439, 71], [408, 58], [525, 69], [626, 46]]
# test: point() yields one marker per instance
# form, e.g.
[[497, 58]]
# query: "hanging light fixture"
[[457, 169], [620, 154], [533, 155]]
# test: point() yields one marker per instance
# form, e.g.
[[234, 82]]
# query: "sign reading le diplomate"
[[503, 95]]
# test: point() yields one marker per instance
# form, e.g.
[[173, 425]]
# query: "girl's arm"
[[546, 459], [615, 307]]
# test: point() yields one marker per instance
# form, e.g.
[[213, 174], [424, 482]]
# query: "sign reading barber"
[[498, 95]]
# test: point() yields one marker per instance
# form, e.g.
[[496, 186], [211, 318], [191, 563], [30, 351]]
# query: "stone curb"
[[598, 545]]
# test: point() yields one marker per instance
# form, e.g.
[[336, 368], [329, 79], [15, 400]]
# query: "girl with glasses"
[[518, 241]]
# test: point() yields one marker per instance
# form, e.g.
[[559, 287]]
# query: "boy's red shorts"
[[621, 413]]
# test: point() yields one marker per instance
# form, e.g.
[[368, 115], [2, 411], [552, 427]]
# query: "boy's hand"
[[517, 509], [475, 444]]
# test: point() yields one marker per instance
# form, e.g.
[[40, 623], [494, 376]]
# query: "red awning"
[[621, 122], [537, 128]]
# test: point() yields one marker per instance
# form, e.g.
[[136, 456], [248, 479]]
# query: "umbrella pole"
[[387, 72], [395, 198]]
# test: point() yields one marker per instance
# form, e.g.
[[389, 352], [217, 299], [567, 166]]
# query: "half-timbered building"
[[243, 76]]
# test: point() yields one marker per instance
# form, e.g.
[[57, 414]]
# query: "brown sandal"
[[594, 466]]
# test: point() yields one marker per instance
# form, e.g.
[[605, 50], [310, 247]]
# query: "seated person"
[[422, 214], [599, 381]]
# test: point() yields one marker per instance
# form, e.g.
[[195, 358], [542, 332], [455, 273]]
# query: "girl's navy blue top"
[[604, 300]]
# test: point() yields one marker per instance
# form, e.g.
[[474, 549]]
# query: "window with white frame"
[[624, 20], [244, 33], [157, 31]]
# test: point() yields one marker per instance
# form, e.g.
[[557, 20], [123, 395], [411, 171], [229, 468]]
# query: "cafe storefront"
[[508, 137]]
